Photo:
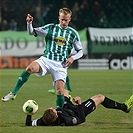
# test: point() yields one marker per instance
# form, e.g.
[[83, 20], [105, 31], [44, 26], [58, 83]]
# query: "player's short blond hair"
[[65, 11]]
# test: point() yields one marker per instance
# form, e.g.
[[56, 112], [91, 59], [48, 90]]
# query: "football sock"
[[60, 101], [21, 80], [68, 84], [108, 103]]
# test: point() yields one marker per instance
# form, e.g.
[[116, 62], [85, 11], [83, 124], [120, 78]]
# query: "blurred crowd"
[[86, 13]]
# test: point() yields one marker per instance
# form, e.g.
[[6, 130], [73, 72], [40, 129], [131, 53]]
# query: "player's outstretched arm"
[[28, 120], [30, 28]]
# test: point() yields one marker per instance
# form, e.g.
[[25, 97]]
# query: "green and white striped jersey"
[[59, 42]]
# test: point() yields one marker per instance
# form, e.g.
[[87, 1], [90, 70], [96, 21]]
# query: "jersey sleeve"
[[77, 43], [42, 31], [36, 122], [28, 120], [73, 51], [77, 46]]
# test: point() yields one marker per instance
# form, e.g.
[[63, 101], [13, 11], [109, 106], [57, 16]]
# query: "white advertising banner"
[[20, 45], [11, 47], [22, 49], [111, 40]]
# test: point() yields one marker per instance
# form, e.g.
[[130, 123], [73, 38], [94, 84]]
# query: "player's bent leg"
[[33, 67], [60, 86], [98, 99], [109, 103], [21, 80]]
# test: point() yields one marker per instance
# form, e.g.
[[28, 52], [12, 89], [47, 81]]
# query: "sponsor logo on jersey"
[[60, 41]]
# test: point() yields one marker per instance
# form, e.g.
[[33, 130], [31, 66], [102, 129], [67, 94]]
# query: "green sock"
[[21, 80], [67, 84], [60, 101]]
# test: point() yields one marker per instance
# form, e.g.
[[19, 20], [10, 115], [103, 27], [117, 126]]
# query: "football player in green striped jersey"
[[59, 39]]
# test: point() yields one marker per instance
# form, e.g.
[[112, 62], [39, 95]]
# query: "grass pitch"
[[116, 85]]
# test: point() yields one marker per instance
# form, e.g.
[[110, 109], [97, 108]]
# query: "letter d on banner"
[[9, 43], [125, 64], [115, 64]]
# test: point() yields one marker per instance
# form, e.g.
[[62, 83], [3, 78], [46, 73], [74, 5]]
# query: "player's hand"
[[29, 18], [69, 61], [77, 100]]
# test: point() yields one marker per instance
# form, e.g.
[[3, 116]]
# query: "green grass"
[[114, 84]]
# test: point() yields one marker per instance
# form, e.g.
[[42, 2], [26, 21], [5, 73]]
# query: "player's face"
[[64, 20]]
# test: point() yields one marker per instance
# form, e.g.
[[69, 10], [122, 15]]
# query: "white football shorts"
[[55, 68]]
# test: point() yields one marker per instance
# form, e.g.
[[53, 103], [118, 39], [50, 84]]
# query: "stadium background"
[[14, 42], [86, 13]]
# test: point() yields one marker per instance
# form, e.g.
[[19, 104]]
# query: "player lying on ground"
[[71, 114]]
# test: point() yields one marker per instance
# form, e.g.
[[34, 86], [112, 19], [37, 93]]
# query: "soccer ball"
[[30, 107]]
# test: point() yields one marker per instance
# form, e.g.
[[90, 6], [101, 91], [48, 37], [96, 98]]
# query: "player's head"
[[64, 17], [50, 116]]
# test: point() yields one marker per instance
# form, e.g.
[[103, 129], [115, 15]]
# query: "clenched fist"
[[29, 18]]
